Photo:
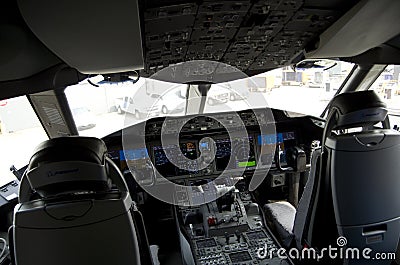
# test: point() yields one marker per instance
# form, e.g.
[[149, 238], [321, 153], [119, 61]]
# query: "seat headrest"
[[359, 108], [68, 164], [80, 148]]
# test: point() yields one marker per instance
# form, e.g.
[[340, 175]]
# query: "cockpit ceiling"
[[47, 44], [254, 36]]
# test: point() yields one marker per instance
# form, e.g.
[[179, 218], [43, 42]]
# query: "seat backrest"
[[363, 168], [352, 183], [365, 188], [75, 208]]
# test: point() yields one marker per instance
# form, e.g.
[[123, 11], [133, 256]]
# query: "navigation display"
[[167, 169], [242, 155]]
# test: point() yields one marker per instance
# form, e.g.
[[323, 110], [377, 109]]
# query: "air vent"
[[53, 115]]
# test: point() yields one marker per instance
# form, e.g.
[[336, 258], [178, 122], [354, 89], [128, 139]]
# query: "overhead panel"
[[167, 29], [254, 36]]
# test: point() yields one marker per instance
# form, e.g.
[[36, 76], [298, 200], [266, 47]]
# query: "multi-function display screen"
[[256, 235], [234, 154], [206, 243], [167, 169], [240, 257]]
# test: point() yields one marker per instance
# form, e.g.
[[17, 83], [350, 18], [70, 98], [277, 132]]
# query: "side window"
[[388, 88], [18, 136]]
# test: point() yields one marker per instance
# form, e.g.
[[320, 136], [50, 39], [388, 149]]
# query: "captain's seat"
[[75, 208], [352, 190]]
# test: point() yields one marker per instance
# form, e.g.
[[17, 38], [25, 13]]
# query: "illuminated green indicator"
[[247, 164]]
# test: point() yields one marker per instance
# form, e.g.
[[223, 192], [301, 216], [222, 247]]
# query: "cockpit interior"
[[178, 132]]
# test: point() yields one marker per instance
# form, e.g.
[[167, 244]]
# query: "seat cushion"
[[281, 215]]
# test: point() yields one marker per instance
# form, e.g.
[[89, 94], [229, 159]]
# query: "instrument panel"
[[230, 155], [207, 137]]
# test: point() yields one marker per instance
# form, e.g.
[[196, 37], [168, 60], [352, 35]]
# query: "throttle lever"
[[278, 160]]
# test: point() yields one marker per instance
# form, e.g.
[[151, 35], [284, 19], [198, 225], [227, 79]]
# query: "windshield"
[[387, 86], [21, 132], [305, 91], [99, 111]]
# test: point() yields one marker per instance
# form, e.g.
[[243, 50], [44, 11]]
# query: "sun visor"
[[367, 25], [95, 37]]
